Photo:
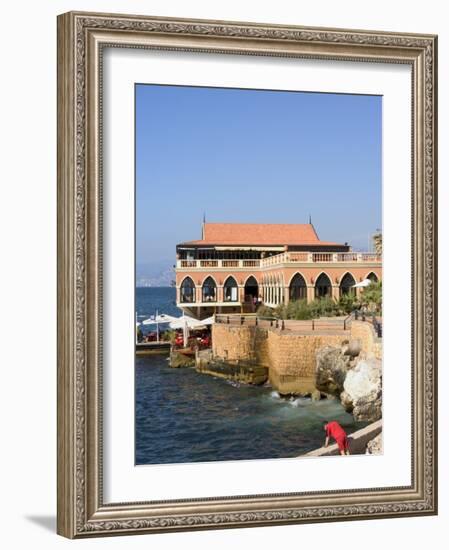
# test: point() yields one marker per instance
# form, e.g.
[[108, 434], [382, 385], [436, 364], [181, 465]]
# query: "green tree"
[[265, 311], [371, 296], [347, 303]]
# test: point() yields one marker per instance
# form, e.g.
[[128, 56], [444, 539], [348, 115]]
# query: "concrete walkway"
[[357, 441]]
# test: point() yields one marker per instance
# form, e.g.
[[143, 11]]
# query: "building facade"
[[235, 266]]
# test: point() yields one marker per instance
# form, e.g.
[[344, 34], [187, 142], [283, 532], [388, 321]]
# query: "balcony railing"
[[186, 264], [285, 258], [320, 257]]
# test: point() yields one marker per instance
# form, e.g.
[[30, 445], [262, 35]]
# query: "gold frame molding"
[[81, 38]]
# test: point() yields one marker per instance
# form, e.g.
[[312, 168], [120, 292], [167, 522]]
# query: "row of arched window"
[[298, 288], [323, 286], [209, 290]]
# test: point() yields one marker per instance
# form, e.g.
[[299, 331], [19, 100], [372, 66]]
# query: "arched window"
[[298, 288], [347, 285], [373, 277], [187, 290], [251, 289], [209, 290], [323, 286], [230, 290]]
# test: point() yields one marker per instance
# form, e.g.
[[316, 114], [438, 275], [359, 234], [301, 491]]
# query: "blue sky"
[[253, 156]]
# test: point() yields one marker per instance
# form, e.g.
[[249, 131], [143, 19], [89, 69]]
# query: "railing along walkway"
[[325, 325], [369, 317]]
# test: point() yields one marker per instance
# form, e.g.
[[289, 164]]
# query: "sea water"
[[184, 416]]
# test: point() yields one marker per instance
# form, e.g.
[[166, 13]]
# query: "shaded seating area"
[[298, 288], [323, 287]]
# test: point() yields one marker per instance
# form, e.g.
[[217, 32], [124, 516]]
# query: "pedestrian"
[[334, 430]]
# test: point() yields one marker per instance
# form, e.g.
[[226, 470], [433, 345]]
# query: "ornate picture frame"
[[82, 38]]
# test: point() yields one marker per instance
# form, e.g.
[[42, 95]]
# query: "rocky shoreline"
[[353, 377], [347, 370], [346, 373]]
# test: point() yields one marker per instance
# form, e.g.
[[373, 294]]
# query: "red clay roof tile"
[[259, 234]]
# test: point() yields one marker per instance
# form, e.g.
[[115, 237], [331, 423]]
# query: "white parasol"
[[155, 319], [362, 284], [187, 323], [158, 320], [190, 322]]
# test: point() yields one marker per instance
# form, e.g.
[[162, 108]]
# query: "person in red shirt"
[[334, 430]]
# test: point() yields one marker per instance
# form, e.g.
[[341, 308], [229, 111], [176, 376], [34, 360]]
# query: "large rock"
[[332, 366], [352, 347], [374, 446], [363, 390], [178, 359]]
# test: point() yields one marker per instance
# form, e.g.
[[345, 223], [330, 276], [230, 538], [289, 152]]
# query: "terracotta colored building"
[[235, 265]]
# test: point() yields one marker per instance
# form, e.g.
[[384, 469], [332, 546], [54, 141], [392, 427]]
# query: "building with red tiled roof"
[[236, 266], [261, 234]]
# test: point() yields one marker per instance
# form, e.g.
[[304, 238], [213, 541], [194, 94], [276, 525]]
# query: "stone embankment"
[[179, 359], [289, 356], [237, 371]]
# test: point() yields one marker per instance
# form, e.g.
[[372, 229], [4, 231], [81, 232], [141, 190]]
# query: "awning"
[[162, 318], [249, 248], [363, 284], [190, 322]]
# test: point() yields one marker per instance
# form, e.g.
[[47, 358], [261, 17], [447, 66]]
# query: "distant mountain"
[[148, 277]]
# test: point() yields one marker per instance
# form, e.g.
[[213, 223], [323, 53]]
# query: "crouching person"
[[335, 431]]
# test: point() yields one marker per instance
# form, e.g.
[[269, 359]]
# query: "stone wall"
[[290, 357], [293, 360], [364, 332], [235, 343]]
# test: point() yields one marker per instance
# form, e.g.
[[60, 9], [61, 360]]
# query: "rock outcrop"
[[362, 393], [332, 366], [345, 372], [374, 446], [179, 359]]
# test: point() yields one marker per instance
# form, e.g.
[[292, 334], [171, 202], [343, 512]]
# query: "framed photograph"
[[246, 274]]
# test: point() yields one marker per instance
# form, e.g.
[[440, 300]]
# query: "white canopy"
[[363, 284], [208, 321], [162, 318], [190, 323]]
